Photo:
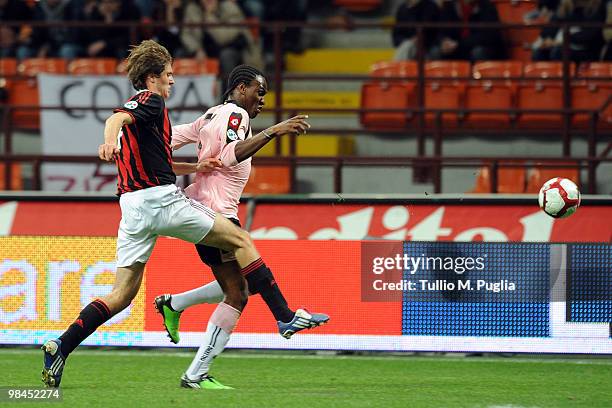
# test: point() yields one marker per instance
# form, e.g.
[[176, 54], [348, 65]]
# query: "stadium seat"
[[505, 69], [92, 66], [546, 69], [592, 72], [16, 180], [510, 180], [540, 175], [394, 69], [269, 179], [445, 93], [387, 95], [591, 96], [487, 95], [24, 91], [194, 66], [539, 96]]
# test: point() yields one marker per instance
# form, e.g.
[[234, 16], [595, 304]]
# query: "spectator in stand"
[[53, 40], [469, 43], [170, 12], [232, 45], [111, 42], [585, 43], [295, 11], [405, 38], [545, 11], [12, 10]]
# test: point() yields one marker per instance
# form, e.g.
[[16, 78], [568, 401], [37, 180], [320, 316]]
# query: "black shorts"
[[214, 256]]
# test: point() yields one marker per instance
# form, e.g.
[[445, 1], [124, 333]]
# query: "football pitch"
[[135, 378]]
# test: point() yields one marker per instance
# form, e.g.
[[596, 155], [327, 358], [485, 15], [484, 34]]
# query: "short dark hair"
[[242, 74], [145, 59]]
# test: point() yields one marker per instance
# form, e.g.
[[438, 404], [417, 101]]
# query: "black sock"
[[261, 280], [91, 317]]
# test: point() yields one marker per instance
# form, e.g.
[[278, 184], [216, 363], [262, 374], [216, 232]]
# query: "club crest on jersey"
[[232, 126], [131, 105]]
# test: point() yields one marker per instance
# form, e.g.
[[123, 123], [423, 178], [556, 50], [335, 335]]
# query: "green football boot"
[[171, 317], [206, 382]]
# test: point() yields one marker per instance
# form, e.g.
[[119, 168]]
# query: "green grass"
[[134, 378]]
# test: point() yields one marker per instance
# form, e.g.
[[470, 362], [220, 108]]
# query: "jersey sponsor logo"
[[131, 105], [232, 127]]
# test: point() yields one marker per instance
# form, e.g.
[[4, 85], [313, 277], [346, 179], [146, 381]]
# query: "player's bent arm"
[[109, 150], [247, 148]]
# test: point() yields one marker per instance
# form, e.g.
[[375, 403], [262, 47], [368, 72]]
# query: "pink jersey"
[[216, 134]]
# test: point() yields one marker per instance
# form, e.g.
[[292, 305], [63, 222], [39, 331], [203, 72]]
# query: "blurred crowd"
[[231, 45], [473, 43]]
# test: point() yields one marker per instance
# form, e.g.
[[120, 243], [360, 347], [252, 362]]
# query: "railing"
[[434, 163]]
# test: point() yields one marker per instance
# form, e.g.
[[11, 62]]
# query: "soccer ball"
[[559, 197]]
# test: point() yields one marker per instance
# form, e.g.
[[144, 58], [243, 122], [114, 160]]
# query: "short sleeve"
[[144, 107]]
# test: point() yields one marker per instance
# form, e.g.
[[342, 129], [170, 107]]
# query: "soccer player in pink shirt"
[[225, 145]]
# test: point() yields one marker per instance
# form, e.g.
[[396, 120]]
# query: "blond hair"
[[147, 58]]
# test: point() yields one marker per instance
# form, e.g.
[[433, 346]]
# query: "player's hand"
[[296, 125], [208, 165], [108, 152]]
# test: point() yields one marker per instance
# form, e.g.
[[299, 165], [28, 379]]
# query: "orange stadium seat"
[[92, 66], [16, 180], [486, 95], [194, 66], [591, 96], [505, 69], [394, 69], [546, 70], [598, 73], [24, 91], [540, 175], [539, 96], [510, 180], [520, 53], [269, 180], [445, 93], [387, 95]]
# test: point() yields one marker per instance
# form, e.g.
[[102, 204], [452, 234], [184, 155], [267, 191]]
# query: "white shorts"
[[154, 211]]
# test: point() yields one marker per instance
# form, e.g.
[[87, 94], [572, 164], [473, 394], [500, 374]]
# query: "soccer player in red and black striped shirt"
[[137, 137]]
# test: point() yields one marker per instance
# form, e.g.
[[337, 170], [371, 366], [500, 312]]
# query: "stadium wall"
[[57, 255]]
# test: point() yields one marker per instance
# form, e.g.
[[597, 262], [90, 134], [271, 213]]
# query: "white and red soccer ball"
[[559, 197]]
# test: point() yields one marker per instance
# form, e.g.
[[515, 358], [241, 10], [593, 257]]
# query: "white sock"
[[220, 327], [209, 293]]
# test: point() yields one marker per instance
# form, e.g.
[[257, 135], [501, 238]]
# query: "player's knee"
[[243, 239]]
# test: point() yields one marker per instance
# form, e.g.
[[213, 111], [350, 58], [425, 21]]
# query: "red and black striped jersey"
[[145, 158]]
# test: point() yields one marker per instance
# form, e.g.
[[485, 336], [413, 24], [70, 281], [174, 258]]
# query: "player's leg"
[[262, 281], [135, 243], [96, 313], [220, 326]]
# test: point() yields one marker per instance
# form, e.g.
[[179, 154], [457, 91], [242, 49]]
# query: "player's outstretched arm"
[[110, 149], [247, 148]]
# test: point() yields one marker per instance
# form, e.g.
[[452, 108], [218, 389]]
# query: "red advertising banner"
[[429, 223], [310, 221]]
